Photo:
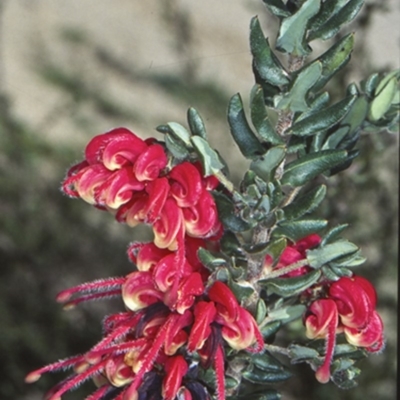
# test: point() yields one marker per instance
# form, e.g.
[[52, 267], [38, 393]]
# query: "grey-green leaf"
[[277, 8], [266, 63], [291, 38], [209, 158], [323, 119], [288, 287], [323, 255], [295, 230], [340, 17], [306, 168], [265, 165], [381, 103], [260, 376], [334, 60], [295, 99], [306, 203], [196, 123], [241, 132], [259, 117]]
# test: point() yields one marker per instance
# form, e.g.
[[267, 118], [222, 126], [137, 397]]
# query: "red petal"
[[150, 162], [158, 191], [133, 212], [204, 315], [176, 336], [189, 288], [138, 291], [148, 256], [322, 312], [371, 336], [353, 303], [175, 368], [227, 305], [186, 185], [118, 188], [308, 242], [115, 148], [201, 220], [167, 228]]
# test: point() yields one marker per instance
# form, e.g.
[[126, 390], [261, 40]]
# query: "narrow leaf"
[[306, 168], [208, 157], [334, 60], [291, 38], [266, 63], [265, 165], [306, 203], [288, 287], [343, 15], [259, 117], [323, 119], [323, 255], [381, 103], [244, 137], [295, 99], [277, 8], [196, 123], [295, 230], [176, 147], [259, 376]]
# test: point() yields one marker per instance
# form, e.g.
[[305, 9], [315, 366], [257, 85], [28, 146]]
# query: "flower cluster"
[[131, 178], [178, 319], [343, 306], [349, 307]]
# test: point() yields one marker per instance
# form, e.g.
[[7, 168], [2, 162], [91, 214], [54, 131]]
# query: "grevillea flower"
[[152, 339], [349, 307], [129, 177], [293, 252]]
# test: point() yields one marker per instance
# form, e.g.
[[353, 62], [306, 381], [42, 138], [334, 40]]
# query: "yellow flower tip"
[[32, 377], [81, 367], [69, 306]]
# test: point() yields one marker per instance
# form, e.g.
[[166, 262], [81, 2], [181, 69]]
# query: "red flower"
[[349, 308], [293, 253]]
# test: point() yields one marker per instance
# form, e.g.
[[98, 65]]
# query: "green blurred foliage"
[[49, 242]]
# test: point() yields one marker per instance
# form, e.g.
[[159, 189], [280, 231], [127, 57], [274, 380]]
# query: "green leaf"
[[208, 259], [334, 60], [304, 169], [295, 230], [381, 103], [295, 99], [323, 119], [266, 394], [275, 247], [306, 203], [270, 329], [176, 147], [241, 132], [259, 117], [260, 376], [300, 354], [226, 213], [332, 234], [265, 165], [266, 63], [288, 287], [323, 255], [266, 362], [277, 8], [196, 123], [242, 289], [326, 10], [180, 132], [261, 311], [341, 16], [353, 260], [369, 85], [230, 245], [291, 38], [209, 158], [287, 314]]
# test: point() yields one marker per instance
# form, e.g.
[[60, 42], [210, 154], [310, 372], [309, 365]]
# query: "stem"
[[285, 270]]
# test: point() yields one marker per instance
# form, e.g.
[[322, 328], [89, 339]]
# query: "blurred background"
[[72, 69]]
